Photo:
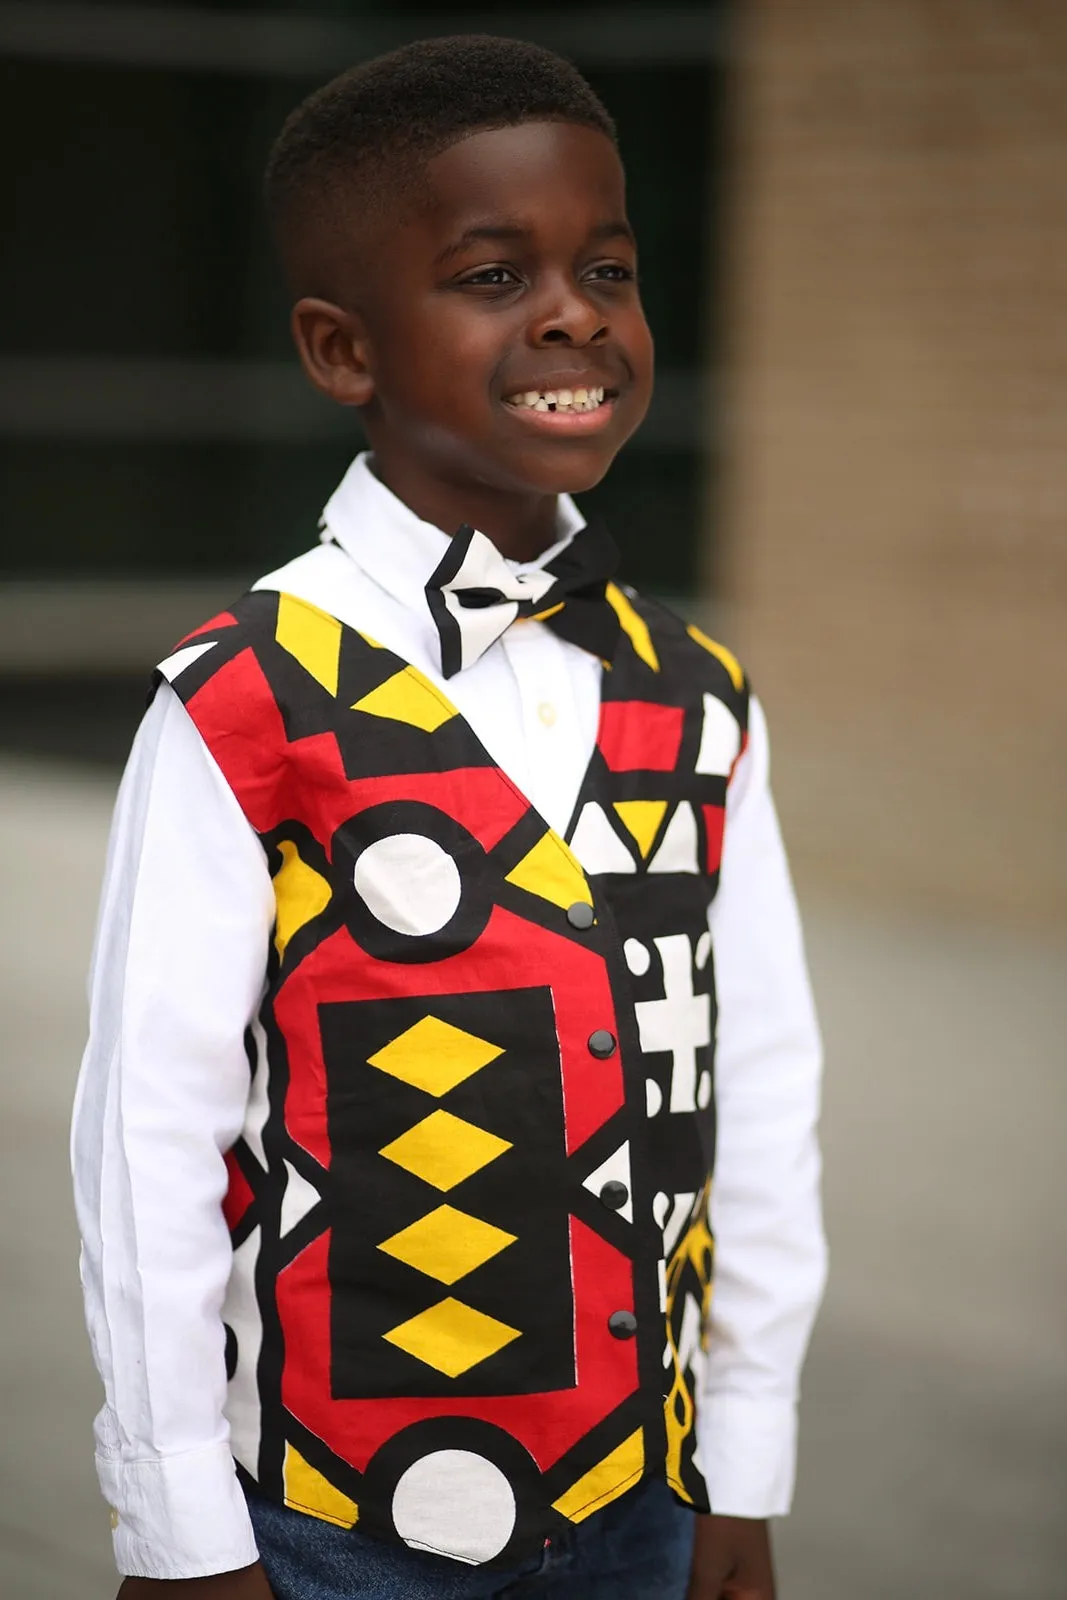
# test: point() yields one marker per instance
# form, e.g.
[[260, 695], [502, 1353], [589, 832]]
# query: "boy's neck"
[[520, 525]]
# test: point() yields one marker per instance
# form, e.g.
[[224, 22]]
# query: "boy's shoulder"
[[293, 599], [667, 641]]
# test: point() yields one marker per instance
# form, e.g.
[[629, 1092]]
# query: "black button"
[[602, 1043], [614, 1194], [580, 915], [623, 1324]]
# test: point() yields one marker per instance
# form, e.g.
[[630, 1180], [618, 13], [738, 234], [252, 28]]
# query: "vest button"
[[602, 1043], [580, 915], [623, 1324], [614, 1194]]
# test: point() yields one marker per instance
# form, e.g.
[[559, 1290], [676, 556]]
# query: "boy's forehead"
[[517, 174]]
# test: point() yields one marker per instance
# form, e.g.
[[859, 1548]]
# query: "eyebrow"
[[507, 232]]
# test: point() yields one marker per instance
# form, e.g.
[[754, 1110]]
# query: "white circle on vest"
[[409, 883], [703, 950], [637, 956], [456, 1503], [653, 1097], [661, 1205]]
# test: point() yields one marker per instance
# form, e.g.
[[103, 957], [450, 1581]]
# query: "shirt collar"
[[396, 548]]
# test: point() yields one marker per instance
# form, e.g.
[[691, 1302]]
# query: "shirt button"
[[580, 915], [547, 712], [623, 1324], [614, 1194], [602, 1043]]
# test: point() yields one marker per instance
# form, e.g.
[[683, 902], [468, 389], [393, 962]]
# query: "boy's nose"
[[570, 319]]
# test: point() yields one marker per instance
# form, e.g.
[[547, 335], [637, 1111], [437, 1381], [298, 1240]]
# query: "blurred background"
[[853, 221]]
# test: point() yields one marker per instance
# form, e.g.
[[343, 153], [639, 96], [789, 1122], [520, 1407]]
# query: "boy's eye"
[[612, 272], [491, 277]]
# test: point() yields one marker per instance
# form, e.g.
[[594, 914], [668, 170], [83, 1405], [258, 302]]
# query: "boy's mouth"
[[573, 402]]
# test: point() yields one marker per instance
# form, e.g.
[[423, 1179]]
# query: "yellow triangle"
[[720, 652], [633, 626], [642, 818], [307, 1490], [606, 1481], [312, 636], [300, 892], [551, 871], [408, 697]]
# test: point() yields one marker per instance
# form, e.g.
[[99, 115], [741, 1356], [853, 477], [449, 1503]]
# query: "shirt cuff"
[[748, 1449], [182, 1516]]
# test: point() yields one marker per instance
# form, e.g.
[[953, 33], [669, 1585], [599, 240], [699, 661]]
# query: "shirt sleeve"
[[178, 971], [765, 1207]]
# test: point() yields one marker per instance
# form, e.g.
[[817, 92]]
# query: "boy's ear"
[[333, 348]]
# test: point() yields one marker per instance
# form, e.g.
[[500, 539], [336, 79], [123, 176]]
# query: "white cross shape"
[[680, 1022]]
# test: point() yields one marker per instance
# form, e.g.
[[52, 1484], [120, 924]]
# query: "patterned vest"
[[469, 1206]]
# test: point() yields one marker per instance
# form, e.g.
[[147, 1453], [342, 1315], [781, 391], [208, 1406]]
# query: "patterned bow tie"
[[474, 596]]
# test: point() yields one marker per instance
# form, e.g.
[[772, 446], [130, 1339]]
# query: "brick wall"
[[896, 509]]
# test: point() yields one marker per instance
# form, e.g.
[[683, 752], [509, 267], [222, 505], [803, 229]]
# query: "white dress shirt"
[[178, 973]]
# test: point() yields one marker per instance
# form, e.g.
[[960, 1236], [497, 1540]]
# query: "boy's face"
[[517, 278]]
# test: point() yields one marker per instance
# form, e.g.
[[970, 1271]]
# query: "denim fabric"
[[638, 1548]]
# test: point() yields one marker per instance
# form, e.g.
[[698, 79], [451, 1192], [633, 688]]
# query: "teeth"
[[558, 399]]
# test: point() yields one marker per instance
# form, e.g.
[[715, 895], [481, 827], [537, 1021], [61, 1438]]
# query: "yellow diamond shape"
[[447, 1244], [452, 1337], [435, 1056], [443, 1149]]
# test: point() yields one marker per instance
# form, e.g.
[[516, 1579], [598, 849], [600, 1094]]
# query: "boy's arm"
[[770, 1261], [178, 969]]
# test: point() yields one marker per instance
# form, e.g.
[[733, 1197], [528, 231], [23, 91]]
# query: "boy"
[[394, 1137]]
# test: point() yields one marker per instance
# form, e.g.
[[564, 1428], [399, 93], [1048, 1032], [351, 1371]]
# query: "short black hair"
[[360, 141]]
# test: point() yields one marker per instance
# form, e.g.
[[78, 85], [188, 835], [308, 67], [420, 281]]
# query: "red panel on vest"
[[480, 798], [714, 824], [547, 1425], [338, 970], [239, 720], [636, 735]]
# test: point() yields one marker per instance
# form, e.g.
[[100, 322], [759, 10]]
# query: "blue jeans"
[[638, 1548]]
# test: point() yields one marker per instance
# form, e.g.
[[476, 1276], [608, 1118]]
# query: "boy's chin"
[[569, 471]]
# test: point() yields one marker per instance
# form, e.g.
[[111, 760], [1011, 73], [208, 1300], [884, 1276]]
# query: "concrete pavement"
[[934, 1432]]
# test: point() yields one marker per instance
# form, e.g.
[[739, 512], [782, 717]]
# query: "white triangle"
[[177, 663], [615, 1169], [597, 845], [720, 739], [678, 852], [298, 1199]]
